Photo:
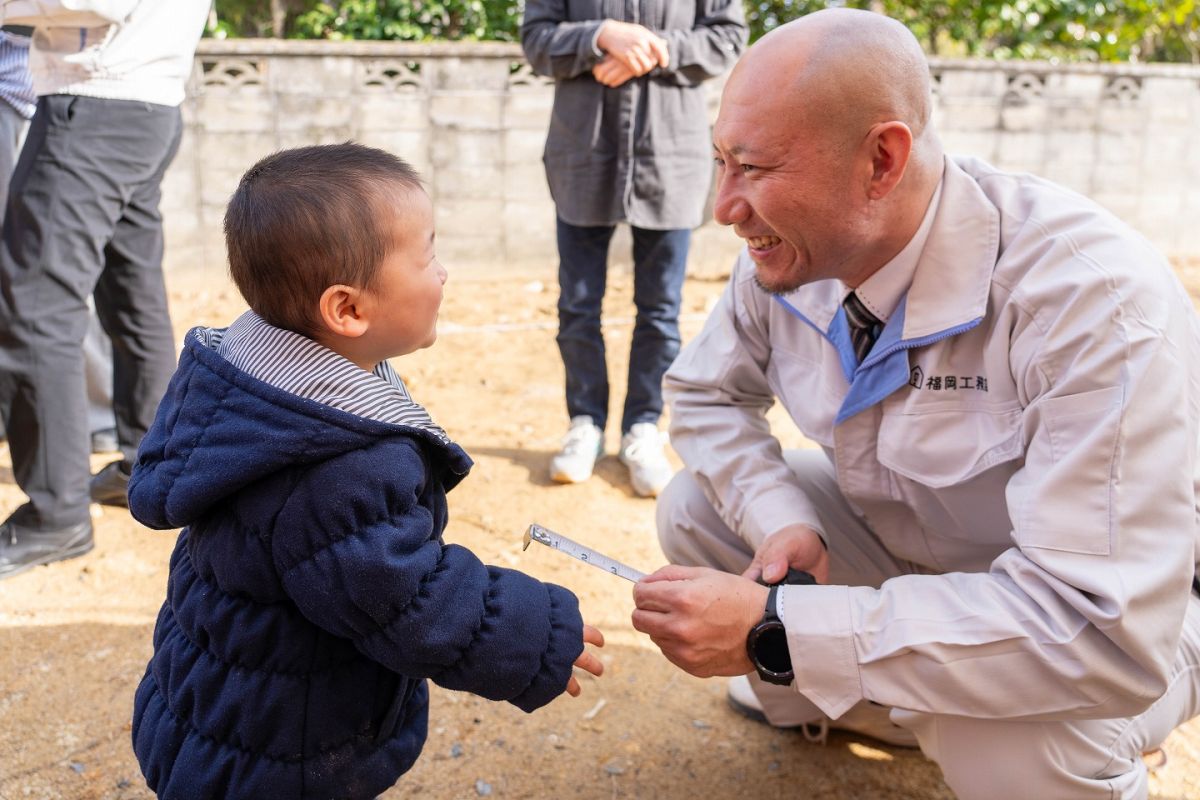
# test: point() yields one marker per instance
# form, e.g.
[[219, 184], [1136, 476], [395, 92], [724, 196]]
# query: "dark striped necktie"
[[864, 326]]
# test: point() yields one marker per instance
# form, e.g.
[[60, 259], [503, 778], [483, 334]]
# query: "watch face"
[[769, 650]]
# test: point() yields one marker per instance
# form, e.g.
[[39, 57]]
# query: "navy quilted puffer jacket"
[[310, 595]]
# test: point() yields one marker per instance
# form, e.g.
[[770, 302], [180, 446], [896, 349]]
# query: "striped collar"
[[302, 367]]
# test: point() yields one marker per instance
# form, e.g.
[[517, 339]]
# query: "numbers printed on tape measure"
[[536, 533]]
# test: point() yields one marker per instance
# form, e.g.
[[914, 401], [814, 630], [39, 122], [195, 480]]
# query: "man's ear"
[[888, 145], [343, 310]]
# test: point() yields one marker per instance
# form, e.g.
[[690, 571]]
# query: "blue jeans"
[[659, 263]]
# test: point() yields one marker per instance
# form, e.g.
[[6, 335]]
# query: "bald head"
[[841, 71], [826, 157]]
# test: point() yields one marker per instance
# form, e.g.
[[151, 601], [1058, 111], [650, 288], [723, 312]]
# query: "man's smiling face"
[[786, 185]]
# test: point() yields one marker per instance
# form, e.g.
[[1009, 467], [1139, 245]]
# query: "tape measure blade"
[[583, 553]]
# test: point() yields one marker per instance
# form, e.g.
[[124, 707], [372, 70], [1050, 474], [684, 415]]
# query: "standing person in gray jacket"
[[82, 218], [628, 142]]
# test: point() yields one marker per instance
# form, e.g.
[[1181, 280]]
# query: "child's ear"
[[343, 310]]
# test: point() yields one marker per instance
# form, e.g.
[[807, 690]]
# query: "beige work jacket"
[[1024, 432]]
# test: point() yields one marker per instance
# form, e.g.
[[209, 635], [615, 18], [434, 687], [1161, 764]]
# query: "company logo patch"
[[917, 379]]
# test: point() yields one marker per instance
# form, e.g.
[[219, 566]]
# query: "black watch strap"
[[794, 577], [767, 647], [766, 644], [770, 614]]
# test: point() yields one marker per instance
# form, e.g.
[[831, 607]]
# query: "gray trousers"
[[979, 758], [97, 349], [82, 218]]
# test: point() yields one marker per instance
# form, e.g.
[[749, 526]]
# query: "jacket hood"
[[218, 430]]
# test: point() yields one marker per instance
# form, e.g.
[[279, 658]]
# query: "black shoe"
[[105, 441], [22, 548], [110, 486]]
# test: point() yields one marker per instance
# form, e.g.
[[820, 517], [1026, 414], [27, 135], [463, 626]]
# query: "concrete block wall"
[[1117, 133], [472, 118]]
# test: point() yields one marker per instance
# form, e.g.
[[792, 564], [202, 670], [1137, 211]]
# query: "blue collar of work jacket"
[[948, 296]]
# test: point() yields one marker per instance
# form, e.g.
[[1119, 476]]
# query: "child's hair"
[[306, 219]]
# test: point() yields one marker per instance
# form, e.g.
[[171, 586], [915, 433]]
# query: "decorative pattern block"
[[935, 83], [1124, 90], [522, 76], [1024, 88], [392, 75], [233, 73]]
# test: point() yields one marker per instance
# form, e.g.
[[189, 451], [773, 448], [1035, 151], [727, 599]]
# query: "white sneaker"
[[865, 718], [582, 445], [642, 452]]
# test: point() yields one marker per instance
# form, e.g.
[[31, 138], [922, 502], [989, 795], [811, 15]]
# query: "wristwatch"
[[766, 644]]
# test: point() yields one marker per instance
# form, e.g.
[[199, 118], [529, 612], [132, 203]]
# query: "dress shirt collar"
[[881, 293]]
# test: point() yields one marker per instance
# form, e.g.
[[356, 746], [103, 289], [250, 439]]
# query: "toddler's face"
[[408, 289]]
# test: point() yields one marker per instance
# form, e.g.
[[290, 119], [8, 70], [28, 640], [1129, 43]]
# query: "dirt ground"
[[75, 636]]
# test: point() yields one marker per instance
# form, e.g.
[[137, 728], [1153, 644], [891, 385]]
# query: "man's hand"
[[635, 46], [587, 661], [611, 73], [700, 617], [796, 546]]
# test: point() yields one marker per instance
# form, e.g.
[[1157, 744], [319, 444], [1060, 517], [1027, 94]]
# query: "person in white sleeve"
[[1003, 381], [82, 218], [17, 104]]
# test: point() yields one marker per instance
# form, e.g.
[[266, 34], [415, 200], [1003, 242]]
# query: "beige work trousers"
[[979, 758]]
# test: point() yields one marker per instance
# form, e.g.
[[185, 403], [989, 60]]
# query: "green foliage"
[[1069, 30], [253, 18], [1076, 30], [240, 18], [763, 15], [413, 20]]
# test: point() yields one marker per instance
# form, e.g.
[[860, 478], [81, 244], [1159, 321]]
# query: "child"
[[310, 593]]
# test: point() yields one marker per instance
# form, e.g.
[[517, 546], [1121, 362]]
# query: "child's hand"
[[587, 660]]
